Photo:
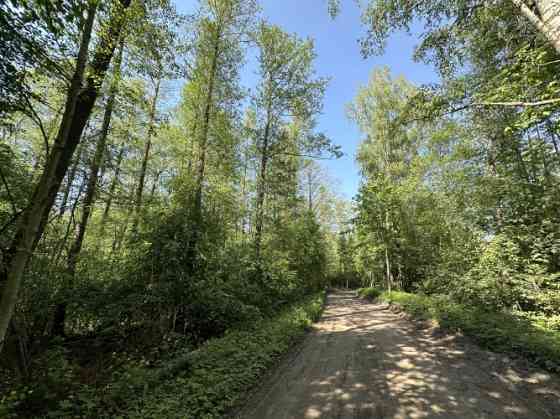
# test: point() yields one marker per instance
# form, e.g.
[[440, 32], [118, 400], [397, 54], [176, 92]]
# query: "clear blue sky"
[[336, 43]]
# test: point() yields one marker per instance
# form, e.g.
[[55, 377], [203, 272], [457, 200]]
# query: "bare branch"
[[518, 104]]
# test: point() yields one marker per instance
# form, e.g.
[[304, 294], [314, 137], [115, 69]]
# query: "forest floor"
[[364, 360]]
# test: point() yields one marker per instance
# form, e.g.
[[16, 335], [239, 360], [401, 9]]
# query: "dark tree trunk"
[[261, 185], [203, 148], [89, 198], [79, 104], [70, 179], [145, 159]]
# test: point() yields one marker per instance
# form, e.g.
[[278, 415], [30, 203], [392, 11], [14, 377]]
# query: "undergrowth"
[[369, 293], [215, 378], [201, 383], [497, 331]]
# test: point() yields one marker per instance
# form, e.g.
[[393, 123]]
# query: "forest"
[[168, 233]]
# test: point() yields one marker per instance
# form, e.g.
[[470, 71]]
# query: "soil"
[[363, 360]]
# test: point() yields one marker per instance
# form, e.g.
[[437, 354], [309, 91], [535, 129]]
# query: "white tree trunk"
[[547, 21]]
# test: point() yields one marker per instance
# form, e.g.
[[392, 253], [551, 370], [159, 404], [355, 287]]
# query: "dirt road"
[[364, 361]]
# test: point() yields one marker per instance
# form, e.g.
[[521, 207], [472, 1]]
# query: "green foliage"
[[158, 258], [498, 331], [219, 373], [204, 382], [369, 293], [27, 27]]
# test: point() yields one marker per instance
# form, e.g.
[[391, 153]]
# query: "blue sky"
[[336, 43]]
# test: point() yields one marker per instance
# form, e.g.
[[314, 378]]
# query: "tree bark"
[[206, 125], [154, 185], [388, 270], [547, 21], [89, 198], [70, 180], [203, 148], [261, 185], [79, 104]]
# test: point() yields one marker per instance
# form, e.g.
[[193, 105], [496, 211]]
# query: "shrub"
[[206, 383], [369, 293], [498, 331]]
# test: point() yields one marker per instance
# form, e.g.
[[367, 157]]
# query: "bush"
[[498, 331], [369, 293], [206, 383]]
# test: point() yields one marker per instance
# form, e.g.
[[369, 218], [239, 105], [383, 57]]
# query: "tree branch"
[[518, 104], [10, 196]]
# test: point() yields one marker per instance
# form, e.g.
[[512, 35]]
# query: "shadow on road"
[[364, 361]]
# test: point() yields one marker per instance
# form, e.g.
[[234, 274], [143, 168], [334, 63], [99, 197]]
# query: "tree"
[[446, 20], [156, 47], [78, 108], [33, 34], [287, 87], [90, 189], [214, 87]]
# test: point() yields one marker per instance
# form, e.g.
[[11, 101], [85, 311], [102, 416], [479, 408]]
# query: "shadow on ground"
[[364, 361]]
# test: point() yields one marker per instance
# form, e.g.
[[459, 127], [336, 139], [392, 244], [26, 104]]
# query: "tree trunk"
[[244, 205], [145, 159], [112, 188], [553, 137], [203, 148], [70, 179], [387, 261], [206, 126], [493, 169], [69, 225], [261, 187], [547, 21], [154, 185], [388, 270], [79, 104], [89, 198]]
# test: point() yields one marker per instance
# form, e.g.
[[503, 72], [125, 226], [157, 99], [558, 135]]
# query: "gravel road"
[[363, 360]]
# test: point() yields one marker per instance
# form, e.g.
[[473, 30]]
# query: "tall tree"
[[79, 104], [90, 190], [156, 51], [214, 80], [287, 88]]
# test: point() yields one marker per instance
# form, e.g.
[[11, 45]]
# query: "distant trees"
[[287, 88]]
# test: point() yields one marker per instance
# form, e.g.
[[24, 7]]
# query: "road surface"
[[362, 360]]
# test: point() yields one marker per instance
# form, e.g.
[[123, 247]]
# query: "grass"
[[497, 331], [214, 379]]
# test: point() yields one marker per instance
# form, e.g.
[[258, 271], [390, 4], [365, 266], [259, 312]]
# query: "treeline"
[[134, 224], [461, 194]]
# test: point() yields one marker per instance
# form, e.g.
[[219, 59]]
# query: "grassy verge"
[[501, 332], [216, 377]]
